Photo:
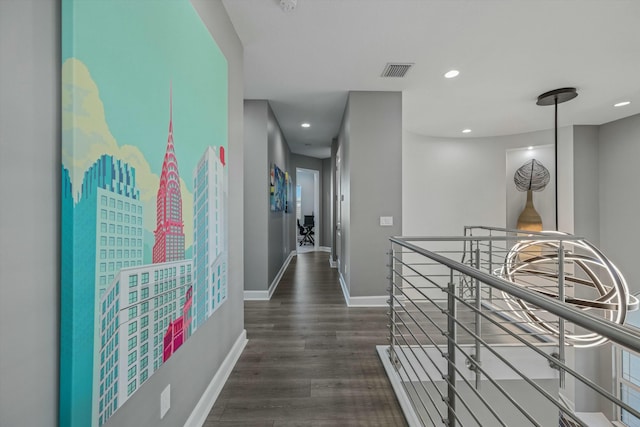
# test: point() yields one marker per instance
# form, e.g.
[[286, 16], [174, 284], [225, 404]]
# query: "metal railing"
[[470, 348]]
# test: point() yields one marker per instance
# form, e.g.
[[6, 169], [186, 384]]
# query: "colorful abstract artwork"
[[144, 195], [278, 188]]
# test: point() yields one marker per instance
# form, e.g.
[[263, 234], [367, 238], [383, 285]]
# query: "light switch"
[[386, 221]]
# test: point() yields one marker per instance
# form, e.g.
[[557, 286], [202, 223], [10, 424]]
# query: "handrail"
[[614, 332]]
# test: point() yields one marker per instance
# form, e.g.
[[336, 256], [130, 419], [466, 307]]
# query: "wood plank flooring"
[[311, 360]]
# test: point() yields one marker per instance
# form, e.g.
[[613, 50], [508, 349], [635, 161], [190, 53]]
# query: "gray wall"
[[29, 216], [281, 238], [190, 370], [256, 212], [586, 179], [29, 224], [591, 361], [619, 151], [326, 203], [371, 139], [618, 154], [270, 235]]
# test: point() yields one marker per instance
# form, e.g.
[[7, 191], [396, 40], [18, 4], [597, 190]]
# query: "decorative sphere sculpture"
[[605, 289]]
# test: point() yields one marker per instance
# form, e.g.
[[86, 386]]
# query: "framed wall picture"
[[278, 189]]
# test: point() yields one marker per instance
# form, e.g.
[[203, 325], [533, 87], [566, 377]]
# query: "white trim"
[[324, 249], [256, 295], [371, 301], [208, 399], [276, 280], [266, 295], [332, 263], [343, 285], [407, 409]]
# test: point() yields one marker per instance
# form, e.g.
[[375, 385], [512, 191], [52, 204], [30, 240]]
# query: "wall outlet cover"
[[165, 401]]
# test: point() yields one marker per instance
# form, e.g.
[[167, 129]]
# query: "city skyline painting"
[[144, 180]]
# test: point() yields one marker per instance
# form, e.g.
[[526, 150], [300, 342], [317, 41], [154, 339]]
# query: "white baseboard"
[[332, 263], [256, 295], [370, 301], [324, 249], [343, 285], [203, 407], [409, 413], [266, 295]]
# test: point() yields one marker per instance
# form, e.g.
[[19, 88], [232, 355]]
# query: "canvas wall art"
[[144, 195], [278, 189]]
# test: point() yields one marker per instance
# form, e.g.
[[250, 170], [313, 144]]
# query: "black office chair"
[[309, 224], [305, 233]]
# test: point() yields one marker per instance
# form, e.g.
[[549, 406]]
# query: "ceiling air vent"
[[396, 69]]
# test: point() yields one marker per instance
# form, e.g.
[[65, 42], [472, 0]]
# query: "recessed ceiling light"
[[451, 74], [622, 104], [466, 131], [305, 125], [530, 148]]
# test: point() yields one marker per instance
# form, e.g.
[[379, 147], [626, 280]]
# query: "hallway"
[[311, 360]]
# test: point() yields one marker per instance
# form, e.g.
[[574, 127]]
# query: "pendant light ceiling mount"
[[557, 96]]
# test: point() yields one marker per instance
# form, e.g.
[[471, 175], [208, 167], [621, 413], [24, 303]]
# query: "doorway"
[[308, 210]]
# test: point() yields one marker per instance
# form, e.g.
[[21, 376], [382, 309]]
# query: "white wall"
[[305, 181], [448, 183]]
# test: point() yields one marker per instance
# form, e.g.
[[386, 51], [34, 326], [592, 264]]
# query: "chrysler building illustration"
[[169, 232]]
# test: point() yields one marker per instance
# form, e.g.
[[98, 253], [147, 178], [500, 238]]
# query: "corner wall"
[[256, 212], [371, 173]]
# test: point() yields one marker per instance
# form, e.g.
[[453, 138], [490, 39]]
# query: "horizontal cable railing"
[[486, 329]]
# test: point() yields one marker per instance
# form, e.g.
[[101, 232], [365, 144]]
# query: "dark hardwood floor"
[[311, 360]]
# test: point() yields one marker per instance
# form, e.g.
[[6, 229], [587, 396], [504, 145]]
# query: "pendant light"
[[555, 97]]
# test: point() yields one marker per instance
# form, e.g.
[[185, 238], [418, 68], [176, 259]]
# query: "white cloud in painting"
[[86, 137]]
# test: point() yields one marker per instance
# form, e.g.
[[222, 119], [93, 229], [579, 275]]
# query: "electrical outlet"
[[165, 401]]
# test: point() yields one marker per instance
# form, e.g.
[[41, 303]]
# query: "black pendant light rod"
[[555, 145], [555, 97]]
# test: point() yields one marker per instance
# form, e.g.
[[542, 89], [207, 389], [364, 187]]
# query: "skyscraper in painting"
[[136, 313], [209, 242], [107, 236], [169, 232]]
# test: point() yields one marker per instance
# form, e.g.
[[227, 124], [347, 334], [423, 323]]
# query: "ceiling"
[[507, 51]]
